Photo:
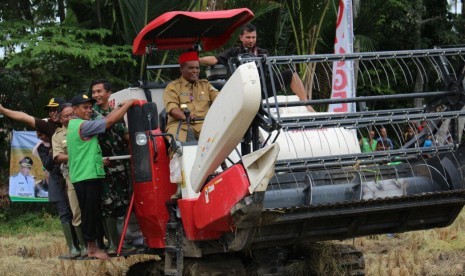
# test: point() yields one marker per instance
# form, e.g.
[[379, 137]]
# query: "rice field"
[[431, 252]]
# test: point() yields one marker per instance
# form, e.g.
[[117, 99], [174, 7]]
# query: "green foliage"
[[28, 218], [49, 60], [54, 43]]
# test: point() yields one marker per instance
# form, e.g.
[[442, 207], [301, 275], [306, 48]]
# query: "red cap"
[[188, 56]]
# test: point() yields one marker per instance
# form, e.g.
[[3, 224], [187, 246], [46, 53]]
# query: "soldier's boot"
[[114, 236], [82, 241], [73, 251]]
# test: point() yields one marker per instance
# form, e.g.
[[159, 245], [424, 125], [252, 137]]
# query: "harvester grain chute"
[[266, 175]]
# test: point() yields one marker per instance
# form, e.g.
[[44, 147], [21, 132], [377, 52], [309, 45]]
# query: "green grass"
[[26, 218]]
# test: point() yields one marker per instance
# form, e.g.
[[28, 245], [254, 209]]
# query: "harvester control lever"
[[187, 113]]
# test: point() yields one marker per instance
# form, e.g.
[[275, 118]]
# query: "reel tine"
[[436, 66], [316, 82], [392, 71], [328, 75], [452, 67], [360, 73], [420, 72], [385, 72], [376, 71], [401, 69], [408, 70], [307, 140], [367, 72]]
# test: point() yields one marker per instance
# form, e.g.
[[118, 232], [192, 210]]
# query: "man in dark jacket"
[[249, 46]]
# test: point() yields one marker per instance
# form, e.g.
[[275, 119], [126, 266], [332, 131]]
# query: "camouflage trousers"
[[115, 194]]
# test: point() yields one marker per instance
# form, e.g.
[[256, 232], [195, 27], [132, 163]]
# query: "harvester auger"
[[267, 177]]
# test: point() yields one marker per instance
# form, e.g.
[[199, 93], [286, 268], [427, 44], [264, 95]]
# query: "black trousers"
[[89, 194], [58, 196]]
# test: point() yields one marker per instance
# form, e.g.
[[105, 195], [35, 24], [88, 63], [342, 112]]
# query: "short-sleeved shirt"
[[178, 92], [59, 145], [92, 128], [59, 142]]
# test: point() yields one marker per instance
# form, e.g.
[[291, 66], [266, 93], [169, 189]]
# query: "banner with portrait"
[[28, 178]]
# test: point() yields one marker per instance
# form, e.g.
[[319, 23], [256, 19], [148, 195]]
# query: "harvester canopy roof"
[[183, 30]]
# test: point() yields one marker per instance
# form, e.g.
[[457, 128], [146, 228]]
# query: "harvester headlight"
[[141, 139]]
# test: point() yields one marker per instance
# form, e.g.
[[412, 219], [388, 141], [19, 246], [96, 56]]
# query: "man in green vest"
[[368, 144], [86, 165]]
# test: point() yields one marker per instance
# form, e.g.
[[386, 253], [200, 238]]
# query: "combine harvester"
[[291, 178]]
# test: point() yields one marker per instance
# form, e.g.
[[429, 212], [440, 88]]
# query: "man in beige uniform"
[[60, 155], [197, 94]]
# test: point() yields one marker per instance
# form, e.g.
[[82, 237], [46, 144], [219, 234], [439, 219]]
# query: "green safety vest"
[[84, 156], [366, 147]]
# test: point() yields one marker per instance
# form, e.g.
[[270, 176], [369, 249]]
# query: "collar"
[[100, 110], [254, 50], [186, 83]]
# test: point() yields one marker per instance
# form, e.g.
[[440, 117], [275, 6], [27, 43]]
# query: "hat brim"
[[25, 165], [51, 106], [92, 101]]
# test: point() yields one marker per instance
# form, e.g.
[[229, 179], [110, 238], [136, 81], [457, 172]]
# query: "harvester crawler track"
[[349, 259]]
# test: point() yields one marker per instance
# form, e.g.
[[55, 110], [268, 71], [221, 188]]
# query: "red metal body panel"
[[150, 197], [186, 207], [212, 209], [182, 30], [208, 217]]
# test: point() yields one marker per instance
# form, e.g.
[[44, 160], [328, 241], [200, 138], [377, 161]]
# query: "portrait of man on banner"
[[27, 180]]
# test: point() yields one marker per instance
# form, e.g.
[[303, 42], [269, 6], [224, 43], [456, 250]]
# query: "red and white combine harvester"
[[266, 177]]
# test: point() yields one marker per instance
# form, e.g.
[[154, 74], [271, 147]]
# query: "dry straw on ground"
[[37, 255], [432, 252]]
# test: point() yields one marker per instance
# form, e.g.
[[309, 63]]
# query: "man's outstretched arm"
[[18, 116], [118, 113], [208, 60]]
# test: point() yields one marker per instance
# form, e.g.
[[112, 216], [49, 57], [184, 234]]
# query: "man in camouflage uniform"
[[115, 194]]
